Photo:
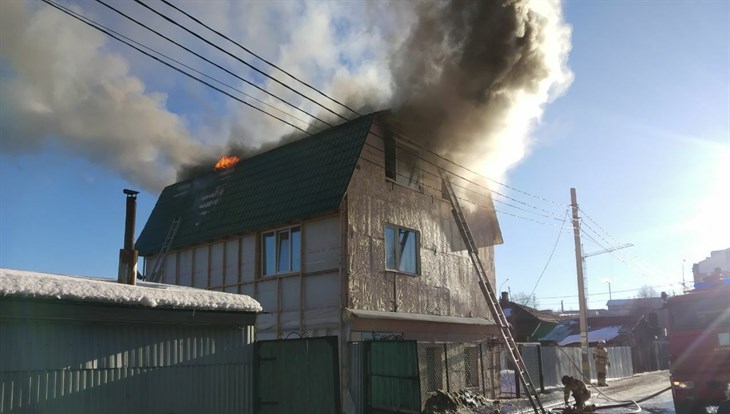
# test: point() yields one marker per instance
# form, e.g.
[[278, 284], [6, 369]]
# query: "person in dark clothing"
[[578, 389]]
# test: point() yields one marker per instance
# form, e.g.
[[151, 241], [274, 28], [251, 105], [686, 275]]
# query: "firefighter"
[[600, 357], [579, 390]]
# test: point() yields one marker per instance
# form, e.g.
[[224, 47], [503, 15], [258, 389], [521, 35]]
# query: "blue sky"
[[642, 133]]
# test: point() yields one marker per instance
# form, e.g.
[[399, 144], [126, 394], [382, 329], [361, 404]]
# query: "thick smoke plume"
[[471, 78], [468, 79]]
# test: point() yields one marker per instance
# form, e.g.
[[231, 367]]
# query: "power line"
[[584, 214], [249, 65], [209, 61], [89, 22], [208, 76], [260, 58], [311, 87], [402, 134], [173, 21], [551, 253], [607, 293], [99, 27]]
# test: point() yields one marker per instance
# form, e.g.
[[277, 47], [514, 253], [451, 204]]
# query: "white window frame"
[[417, 249], [277, 233]]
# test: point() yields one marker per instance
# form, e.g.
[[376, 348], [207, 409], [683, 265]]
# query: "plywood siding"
[[307, 302], [447, 284]]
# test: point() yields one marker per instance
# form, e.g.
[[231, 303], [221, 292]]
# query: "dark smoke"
[[455, 75]]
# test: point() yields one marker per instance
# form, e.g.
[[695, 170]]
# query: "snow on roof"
[[602, 334], [19, 283]]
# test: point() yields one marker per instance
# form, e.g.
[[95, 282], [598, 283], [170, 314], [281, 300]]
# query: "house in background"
[[716, 266], [636, 323], [528, 324], [80, 345], [346, 233]]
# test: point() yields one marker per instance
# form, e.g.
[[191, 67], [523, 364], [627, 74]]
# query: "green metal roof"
[[298, 180]]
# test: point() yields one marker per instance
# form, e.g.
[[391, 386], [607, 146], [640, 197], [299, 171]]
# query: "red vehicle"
[[699, 346]]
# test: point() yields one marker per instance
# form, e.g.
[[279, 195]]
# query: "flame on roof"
[[226, 161]]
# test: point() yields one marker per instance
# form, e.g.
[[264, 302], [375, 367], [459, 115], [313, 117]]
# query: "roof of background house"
[[537, 314], [301, 179], [601, 326], [607, 334]]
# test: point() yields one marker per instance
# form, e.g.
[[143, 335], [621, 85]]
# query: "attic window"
[[401, 249], [281, 251], [402, 163]]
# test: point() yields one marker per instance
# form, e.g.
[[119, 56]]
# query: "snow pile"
[[18, 283], [603, 334]]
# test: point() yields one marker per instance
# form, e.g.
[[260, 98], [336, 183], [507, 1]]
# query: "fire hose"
[[619, 403]]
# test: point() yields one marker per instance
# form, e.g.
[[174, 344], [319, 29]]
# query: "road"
[[661, 404]]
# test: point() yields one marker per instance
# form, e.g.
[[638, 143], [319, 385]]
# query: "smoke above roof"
[[472, 77], [467, 79]]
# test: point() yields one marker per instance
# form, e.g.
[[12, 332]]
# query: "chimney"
[[127, 255], [505, 299]]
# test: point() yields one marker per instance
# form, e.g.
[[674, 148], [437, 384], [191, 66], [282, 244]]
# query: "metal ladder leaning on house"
[[156, 273], [490, 297]]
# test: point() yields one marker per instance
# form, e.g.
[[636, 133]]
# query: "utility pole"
[[581, 290]]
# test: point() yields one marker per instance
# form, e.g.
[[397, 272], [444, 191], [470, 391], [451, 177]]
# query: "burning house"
[[344, 234]]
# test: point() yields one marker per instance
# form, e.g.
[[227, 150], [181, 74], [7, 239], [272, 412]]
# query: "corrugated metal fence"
[[67, 367], [554, 362]]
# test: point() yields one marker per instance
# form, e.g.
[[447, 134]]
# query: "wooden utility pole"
[[581, 290]]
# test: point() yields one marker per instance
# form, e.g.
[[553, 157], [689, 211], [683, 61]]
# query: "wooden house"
[[345, 233]]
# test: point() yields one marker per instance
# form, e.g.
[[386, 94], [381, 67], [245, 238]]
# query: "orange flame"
[[226, 162]]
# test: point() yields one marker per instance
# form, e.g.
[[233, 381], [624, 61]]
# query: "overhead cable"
[[560, 232], [259, 57], [89, 22], [173, 21], [210, 61]]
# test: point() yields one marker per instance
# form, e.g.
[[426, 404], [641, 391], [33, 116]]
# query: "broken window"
[[402, 163], [401, 249], [281, 251]]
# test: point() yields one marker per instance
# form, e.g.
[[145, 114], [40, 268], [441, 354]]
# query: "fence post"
[[517, 376], [481, 366], [539, 368], [446, 367]]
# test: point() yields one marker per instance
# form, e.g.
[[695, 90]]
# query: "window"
[[402, 163], [281, 251], [401, 249]]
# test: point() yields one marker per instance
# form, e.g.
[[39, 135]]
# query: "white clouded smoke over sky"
[[65, 82]]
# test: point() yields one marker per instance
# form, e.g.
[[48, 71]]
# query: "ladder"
[[490, 297], [156, 274]]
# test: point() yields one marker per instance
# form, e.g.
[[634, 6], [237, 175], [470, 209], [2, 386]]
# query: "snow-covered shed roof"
[[24, 284], [606, 334]]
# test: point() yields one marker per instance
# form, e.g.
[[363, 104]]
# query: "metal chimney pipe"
[[128, 256]]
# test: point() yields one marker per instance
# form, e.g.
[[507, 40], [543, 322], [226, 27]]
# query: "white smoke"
[[64, 85]]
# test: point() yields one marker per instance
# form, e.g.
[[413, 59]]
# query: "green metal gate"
[[392, 383], [297, 376]]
